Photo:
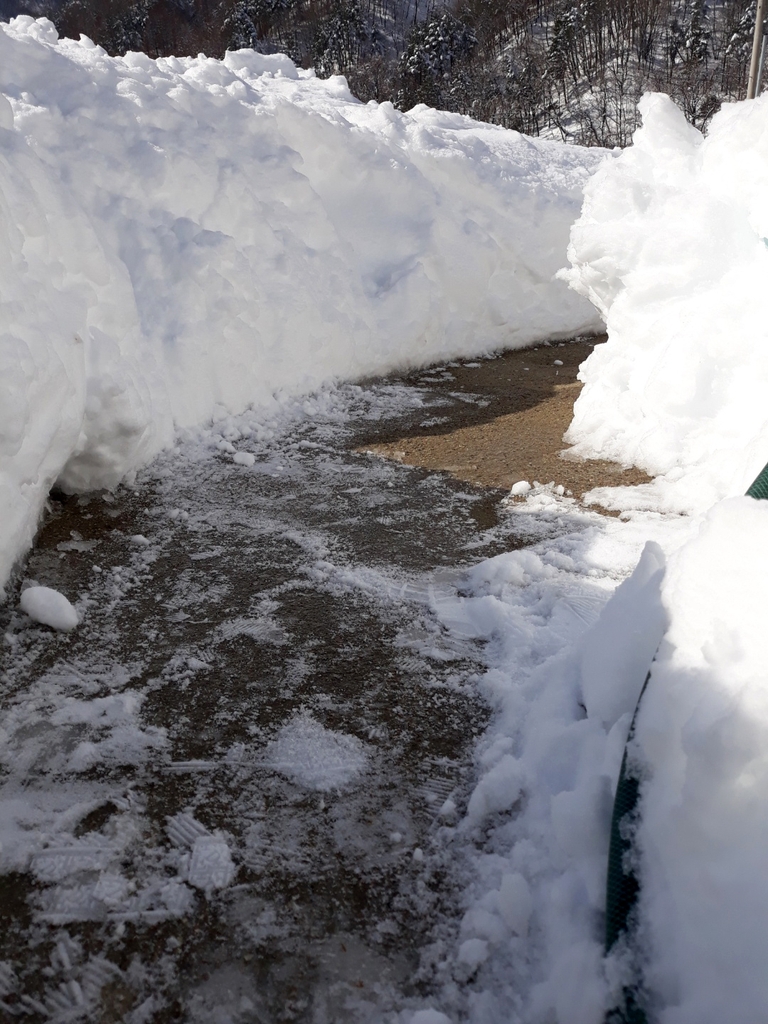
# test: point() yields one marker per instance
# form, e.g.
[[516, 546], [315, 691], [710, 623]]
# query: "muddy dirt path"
[[513, 429], [233, 792]]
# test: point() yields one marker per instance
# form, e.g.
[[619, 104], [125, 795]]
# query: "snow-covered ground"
[[183, 239], [184, 235]]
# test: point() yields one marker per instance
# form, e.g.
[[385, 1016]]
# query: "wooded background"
[[567, 69]]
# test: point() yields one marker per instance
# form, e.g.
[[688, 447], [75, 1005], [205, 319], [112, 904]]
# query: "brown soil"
[[508, 422]]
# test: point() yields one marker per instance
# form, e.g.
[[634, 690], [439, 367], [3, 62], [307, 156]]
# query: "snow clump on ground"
[[49, 607]]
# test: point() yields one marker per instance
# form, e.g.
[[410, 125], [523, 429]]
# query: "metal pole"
[[757, 43], [759, 83]]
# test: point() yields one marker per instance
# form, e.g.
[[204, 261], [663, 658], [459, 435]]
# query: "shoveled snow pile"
[[568, 652], [178, 236], [672, 247], [566, 671], [702, 745]]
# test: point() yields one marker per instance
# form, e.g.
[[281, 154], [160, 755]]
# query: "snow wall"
[[178, 236], [672, 248], [702, 742]]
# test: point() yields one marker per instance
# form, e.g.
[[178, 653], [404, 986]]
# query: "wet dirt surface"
[[515, 431], [233, 793]]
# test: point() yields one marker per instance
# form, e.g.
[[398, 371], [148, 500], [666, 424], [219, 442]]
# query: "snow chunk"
[[244, 458], [521, 487], [429, 1016], [473, 952], [210, 865], [316, 757], [619, 648], [498, 790], [48, 606]]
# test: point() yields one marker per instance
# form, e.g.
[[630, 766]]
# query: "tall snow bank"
[[179, 235], [672, 248], [702, 741]]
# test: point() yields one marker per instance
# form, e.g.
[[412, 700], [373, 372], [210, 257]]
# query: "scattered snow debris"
[[55, 863], [49, 607], [210, 864], [77, 544], [316, 757], [7, 978], [184, 830], [244, 458], [202, 556], [521, 487], [263, 629]]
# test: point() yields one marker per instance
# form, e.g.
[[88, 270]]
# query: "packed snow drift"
[[184, 235], [701, 741], [672, 247], [566, 672]]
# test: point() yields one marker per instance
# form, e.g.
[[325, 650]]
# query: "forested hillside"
[[570, 69]]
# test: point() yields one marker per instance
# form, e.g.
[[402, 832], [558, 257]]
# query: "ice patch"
[[316, 757]]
